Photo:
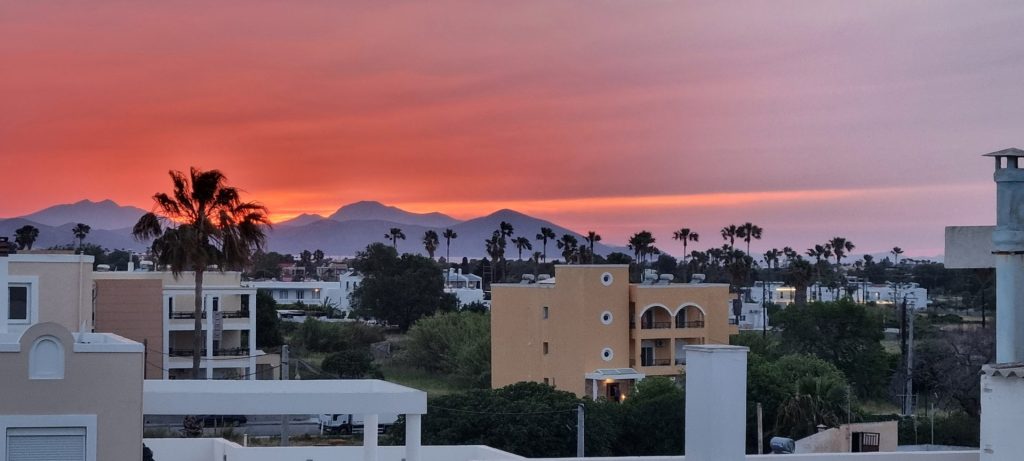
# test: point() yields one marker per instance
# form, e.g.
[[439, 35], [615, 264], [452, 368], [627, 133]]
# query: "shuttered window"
[[46, 444]]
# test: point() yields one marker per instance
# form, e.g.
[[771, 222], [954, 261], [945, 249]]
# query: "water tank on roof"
[[782, 445]]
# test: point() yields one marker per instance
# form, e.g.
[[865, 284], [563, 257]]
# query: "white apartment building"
[[468, 288], [315, 293], [158, 309], [860, 291]]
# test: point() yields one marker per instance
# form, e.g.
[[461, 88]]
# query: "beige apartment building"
[[158, 310], [47, 286], [589, 331]]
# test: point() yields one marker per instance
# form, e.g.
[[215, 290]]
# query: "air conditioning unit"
[[659, 343]]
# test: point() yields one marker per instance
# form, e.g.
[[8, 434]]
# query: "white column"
[[208, 328], [4, 294], [593, 389], [370, 437], [413, 429], [716, 403], [252, 336]]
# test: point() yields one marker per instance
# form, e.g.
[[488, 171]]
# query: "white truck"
[[348, 423]]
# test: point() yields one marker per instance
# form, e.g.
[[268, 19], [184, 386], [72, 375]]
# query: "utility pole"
[[760, 430], [284, 376], [908, 357], [579, 430]]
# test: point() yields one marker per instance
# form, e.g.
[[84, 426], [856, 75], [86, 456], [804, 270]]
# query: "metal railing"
[[655, 325], [656, 362], [690, 324], [242, 314], [734, 321], [229, 352], [183, 315]]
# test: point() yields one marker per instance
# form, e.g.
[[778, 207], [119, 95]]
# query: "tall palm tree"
[[203, 222], [522, 243], [730, 233], [495, 247], [749, 231], [430, 242], [686, 236], [448, 235], [591, 238], [25, 236], [545, 234], [394, 234], [570, 248], [896, 252], [642, 244], [840, 248], [81, 230]]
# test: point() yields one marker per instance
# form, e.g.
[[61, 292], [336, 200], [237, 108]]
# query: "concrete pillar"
[[370, 423], [716, 403], [413, 429], [1008, 247]]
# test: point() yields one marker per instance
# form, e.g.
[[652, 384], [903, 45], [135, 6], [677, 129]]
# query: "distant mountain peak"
[[369, 210], [104, 214]]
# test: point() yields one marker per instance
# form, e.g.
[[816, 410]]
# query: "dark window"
[[18, 296], [545, 311], [545, 348]]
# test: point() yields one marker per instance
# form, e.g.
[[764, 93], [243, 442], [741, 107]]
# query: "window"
[[545, 348], [545, 309], [300, 294], [31, 444], [18, 297], [546, 381], [316, 293], [282, 294]]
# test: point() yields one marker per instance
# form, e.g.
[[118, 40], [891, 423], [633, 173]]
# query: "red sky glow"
[[810, 118]]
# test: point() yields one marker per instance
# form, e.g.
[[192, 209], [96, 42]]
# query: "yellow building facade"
[[591, 332]]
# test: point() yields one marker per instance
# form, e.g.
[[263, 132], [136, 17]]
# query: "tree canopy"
[[398, 290]]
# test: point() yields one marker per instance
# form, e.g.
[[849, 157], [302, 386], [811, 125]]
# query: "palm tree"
[[448, 235], [569, 246], [545, 234], [799, 274], [522, 243], [203, 222], [495, 247], [394, 234], [25, 236], [686, 236], [748, 231], [816, 400], [642, 244], [896, 252], [840, 248], [730, 233], [430, 242], [591, 238], [81, 230]]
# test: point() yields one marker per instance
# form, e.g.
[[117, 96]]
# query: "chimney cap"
[[1011, 152]]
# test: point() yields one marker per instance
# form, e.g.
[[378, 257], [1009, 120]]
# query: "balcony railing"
[[690, 324], [240, 314], [229, 352], [655, 325], [183, 315], [681, 361], [734, 321], [655, 362]]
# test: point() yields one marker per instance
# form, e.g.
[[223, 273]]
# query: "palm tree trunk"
[[197, 336]]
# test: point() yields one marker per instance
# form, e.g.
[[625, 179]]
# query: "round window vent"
[[607, 279], [607, 354], [606, 317]]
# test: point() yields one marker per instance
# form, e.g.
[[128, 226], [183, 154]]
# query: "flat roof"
[[247, 397]]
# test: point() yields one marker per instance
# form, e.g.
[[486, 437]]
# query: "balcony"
[[734, 321], [183, 315], [645, 362], [229, 352], [239, 314], [690, 324], [655, 325]]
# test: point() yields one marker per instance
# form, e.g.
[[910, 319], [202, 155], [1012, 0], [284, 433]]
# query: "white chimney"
[[716, 403]]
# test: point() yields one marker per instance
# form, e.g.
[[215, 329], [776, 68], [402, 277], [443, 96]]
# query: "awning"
[[616, 374]]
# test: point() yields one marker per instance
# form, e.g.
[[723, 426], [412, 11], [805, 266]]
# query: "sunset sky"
[[811, 119]]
